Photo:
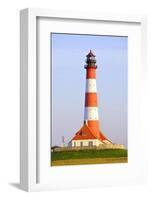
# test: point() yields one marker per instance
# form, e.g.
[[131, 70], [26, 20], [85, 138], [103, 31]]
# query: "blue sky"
[[68, 84]]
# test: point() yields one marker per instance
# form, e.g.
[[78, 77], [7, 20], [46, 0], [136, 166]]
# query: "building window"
[[82, 133], [81, 144], [74, 144], [90, 144]]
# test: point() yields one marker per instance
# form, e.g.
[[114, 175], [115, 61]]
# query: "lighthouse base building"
[[86, 138]]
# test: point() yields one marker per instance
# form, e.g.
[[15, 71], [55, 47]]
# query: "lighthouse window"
[[90, 144], [81, 144], [82, 133]]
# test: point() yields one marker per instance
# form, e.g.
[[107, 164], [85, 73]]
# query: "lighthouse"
[[90, 133]]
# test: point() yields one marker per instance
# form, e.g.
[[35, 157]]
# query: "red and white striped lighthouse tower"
[[90, 134]]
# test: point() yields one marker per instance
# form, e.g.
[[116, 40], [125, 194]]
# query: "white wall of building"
[[77, 143]]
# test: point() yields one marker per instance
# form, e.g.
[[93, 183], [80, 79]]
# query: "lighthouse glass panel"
[[89, 93]]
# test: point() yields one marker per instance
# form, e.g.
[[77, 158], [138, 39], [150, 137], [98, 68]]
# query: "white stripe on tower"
[[91, 113], [91, 109], [91, 85]]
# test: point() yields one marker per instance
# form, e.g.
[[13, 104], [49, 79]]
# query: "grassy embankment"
[[89, 157]]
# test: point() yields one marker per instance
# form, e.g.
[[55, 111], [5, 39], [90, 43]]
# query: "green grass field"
[[89, 157]]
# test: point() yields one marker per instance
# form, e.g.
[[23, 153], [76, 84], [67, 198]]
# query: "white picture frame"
[[29, 83]]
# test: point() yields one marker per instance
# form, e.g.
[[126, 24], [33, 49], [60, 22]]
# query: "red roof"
[[102, 137], [85, 133]]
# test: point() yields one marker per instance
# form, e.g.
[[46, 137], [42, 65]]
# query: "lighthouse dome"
[[90, 60]]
